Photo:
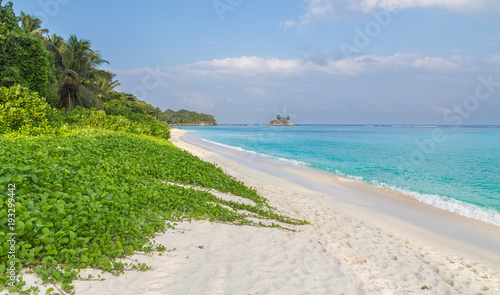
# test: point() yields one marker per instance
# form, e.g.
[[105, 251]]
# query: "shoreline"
[[383, 201], [392, 243], [348, 248], [378, 206], [462, 208]]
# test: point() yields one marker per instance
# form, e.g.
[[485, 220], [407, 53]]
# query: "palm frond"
[[88, 99], [32, 25], [54, 44], [96, 90]]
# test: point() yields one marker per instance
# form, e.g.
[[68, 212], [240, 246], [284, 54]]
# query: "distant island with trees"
[[281, 121]]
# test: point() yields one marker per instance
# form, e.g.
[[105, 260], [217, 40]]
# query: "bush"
[[136, 123], [24, 59], [22, 110], [119, 107]]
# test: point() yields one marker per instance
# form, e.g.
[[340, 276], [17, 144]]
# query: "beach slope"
[[348, 249]]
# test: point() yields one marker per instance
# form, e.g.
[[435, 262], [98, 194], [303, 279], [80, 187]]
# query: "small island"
[[281, 121]]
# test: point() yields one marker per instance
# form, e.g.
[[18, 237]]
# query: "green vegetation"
[[84, 187], [78, 73], [90, 196], [185, 117], [125, 104], [22, 111], [32, 25], [23, 58], [27, 113]]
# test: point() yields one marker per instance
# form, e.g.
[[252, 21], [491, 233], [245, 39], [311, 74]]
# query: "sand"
[[349, 248]]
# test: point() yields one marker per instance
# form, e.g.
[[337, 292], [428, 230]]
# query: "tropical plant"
[[75, 210], [69, 94], [54, 43], [23, 58], [23, 111], [81, 58], [105, 81], [132, 123], [32, 25], [282, 119], [78, 65]]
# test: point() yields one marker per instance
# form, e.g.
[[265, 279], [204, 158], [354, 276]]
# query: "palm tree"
[[32, 25], [69, 94], [79, 65], [105, 81], [55, 44]]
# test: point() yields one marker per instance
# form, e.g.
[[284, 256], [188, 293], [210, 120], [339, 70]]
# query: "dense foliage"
[[79, 73], [89, 197], [25, 112], [23, 59], [126, 104], [135, 123], [22, 111], [185, 117]]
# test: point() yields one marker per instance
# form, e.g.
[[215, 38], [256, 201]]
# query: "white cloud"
[[245, 66], [494, 64], [461, 6], [331, 10], [370, 64], [494, 59], [288, 24], [274, 67], [318, 10]]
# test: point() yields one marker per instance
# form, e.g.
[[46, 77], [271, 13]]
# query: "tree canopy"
[[23, 59], [125, 104], [32, 25]]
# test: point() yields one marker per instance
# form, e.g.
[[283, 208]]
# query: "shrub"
[[22, 110], [24, 59], [119, 107], [136, 123]]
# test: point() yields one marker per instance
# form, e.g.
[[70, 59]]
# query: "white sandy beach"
[[347, 249]]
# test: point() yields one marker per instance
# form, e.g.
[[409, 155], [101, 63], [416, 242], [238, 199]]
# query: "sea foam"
[[297, 163], [350, 145], [448, 204]]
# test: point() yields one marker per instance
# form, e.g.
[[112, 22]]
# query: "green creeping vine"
[[88, 197]]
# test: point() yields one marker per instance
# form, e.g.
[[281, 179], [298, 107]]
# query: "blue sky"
[[319, 61]]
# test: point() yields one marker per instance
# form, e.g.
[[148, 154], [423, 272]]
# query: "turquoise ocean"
[[455, 168]]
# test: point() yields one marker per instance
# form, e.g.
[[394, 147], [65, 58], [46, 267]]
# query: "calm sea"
[[449, 167]]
